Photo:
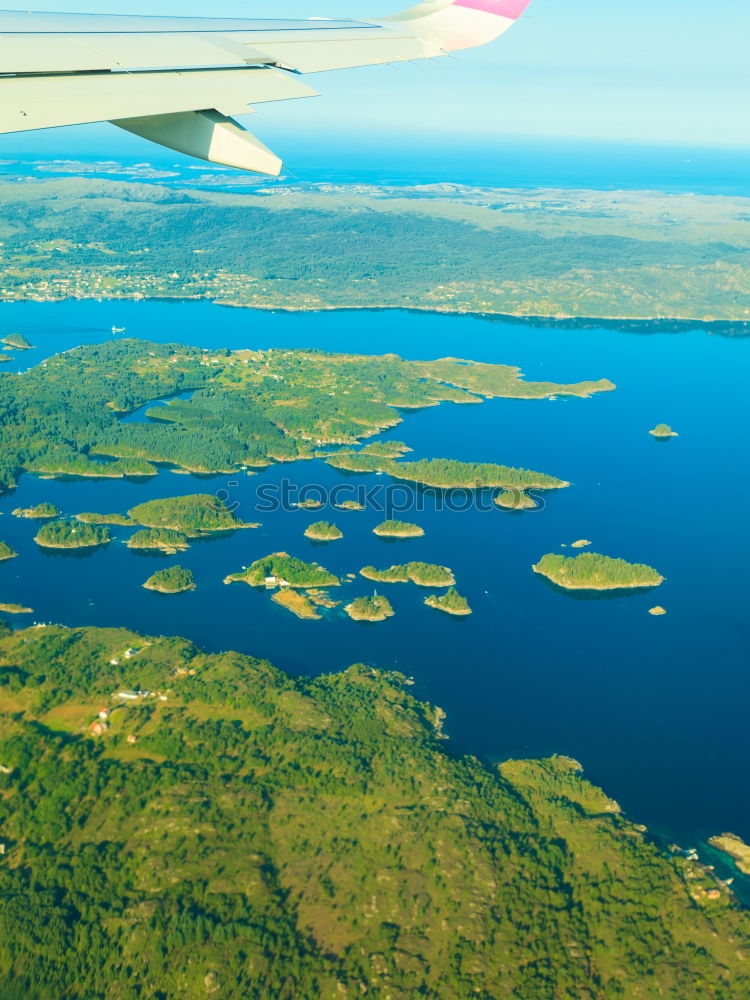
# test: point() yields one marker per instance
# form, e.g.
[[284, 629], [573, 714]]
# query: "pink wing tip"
[[502, 8]]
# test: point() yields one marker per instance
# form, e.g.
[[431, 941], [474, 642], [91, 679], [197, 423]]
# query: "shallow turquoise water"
[[655, 708]]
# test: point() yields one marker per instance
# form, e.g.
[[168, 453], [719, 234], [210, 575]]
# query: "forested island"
[[398, 529], [295, 794], [451, 602], [173, 580], [282, 570], [591, 571], [370, 609], [71, 535], [194, 516], [515, 500], [246, 409], [39, 512], [165, 540], [6, 552], [15, 609], [447, 474], [323, 531], [422, 573], [663, 431], [17, 341]]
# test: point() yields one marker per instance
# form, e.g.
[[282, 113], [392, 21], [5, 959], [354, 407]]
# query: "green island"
[[6, 552], [71, 535], [580, 543], [663, 431], [282, 570], [385, 449], [448, 474], [16, 341], [591, 571], [15, 609], [735, 847], [279, 836], [398, 529], [309, 504], [173, 580], [451, 602], [245, 409], [323, 531], [370, 609], [39, 512], [299, 604], [350, 505], [90, 517], [422, 573], [195, 515], [165, 540], [515, 500]]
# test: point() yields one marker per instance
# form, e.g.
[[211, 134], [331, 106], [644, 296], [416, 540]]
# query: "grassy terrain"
[[234, 832]]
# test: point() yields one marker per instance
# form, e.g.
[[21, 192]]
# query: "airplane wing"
[[178, 81]]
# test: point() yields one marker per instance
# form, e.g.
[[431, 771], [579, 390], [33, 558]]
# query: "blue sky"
[[641, 70]]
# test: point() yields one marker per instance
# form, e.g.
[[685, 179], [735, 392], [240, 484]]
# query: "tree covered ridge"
[[590, 569], [261, 836]]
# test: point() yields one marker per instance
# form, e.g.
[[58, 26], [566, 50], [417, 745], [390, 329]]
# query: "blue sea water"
[[655, 708]]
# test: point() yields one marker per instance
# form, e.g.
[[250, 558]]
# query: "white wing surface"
[[178, 81]]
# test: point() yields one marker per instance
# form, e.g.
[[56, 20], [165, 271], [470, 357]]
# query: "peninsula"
[[173, 580], [735, 847], [398, 529], [71, 535], [323, 531], [448, 474], [451, 602], [422, 573], [282, 570], [591, 571], [123, 520], [370, 609]]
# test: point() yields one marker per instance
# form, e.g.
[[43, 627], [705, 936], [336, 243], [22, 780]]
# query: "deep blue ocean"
[[655, 708]]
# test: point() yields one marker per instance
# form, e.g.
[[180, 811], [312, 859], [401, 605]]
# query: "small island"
[[451, 602], [735, 847], [385, 449], [160, 539], [17, 341], [591, 571], [71, 535], [370, 609], [515, 500], [581, 543], [16, 609], [309, 504], [658, 611], [282, 570], [398, 529], [89, 517], [323, 531], [663, 431], [6, 552], [174, 580], [299, 604], [195, 515], [41, 511], [350, 505], [421, 573]]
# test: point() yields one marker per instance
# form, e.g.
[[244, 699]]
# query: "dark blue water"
[[655, 708]]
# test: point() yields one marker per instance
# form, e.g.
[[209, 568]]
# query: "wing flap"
[[47, 101]]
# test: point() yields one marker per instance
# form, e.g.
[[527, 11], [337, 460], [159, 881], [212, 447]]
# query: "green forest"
[[246, 409], [323, 531], [596, 572], [451, 601], [256, 835], [6, 552], [71, 535], [166, 539], [172, 580], [193, 515], [398, 529], [282, 567], [374, 608], [422, 573]]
